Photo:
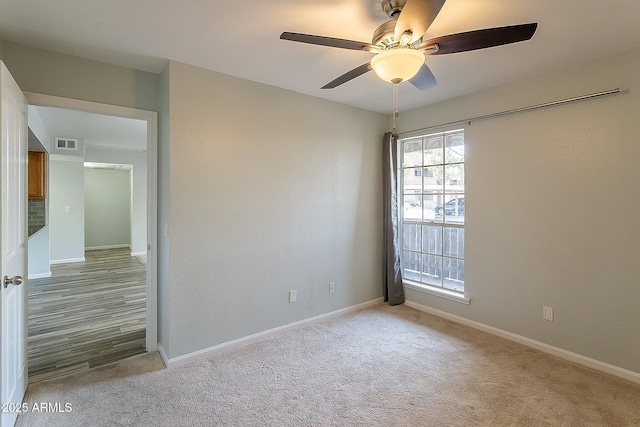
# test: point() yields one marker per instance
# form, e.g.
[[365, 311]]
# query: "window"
[[432, 218]]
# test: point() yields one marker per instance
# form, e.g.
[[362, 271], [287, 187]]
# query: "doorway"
[[142, 246]]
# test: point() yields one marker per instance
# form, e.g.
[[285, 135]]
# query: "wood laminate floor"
[[86, 314]]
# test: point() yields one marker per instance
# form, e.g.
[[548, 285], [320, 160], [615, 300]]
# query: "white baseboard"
[[39, 275], [95, 248], [163, 355], [66, 261], [546, 348], [240, 342], [138, 253]]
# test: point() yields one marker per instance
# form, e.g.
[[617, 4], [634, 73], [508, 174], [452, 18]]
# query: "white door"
[[13, 256]]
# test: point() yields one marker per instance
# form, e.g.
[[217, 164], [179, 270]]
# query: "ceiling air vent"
[[66, 144]]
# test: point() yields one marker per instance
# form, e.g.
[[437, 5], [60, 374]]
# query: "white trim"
[[138, 253], [151, 117], [241, 342], [546, 348], [97, 248], [442, 293], [66, 261], [163, 355], [39, 275]]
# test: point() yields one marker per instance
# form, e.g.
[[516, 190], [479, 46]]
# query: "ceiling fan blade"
[[350, 75], [480, 39], [327, 41], [416, 16], [424, 79]]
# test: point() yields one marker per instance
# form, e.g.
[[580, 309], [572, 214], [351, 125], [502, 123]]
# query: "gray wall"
[[51, 73], [551, 197], [139, 195], [107, 208], [39, 252], [66, 190], [164, 286], [39, 129], [270, 191]]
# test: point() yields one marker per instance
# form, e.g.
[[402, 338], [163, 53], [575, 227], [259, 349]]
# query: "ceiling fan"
[[400, 50]]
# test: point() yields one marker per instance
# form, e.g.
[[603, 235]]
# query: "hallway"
[[86, 314]]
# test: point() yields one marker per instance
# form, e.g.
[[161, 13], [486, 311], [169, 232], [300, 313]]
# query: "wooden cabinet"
[[37, 174]]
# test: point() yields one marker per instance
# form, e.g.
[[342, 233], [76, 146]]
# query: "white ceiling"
[[241, 38], [94, 129]]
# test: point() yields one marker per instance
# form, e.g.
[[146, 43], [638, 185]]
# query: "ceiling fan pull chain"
[[395, 105]]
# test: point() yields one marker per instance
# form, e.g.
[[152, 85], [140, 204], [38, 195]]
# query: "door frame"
[[151, 117]]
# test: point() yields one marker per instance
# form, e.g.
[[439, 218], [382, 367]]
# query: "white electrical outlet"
[[332, 287], [293, 296], [547, 313]]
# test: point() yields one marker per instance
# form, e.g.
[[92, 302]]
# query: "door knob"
[[15, 280]]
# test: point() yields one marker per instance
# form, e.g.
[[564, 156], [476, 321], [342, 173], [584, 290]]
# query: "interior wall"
[[139, 196], [39, 129], [51, 73], [107, 208], [270, 191], [38, 251], [551, 197], [164, 149], [66, 208]]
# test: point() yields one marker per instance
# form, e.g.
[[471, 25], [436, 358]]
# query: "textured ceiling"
[[241, 38]]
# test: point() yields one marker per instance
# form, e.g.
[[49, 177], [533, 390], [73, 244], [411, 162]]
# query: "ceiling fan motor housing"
[[393, 7], [383, 35]]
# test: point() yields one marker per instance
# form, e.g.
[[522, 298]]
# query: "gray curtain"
[[393, 289]]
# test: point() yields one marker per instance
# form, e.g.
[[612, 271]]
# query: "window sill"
[[438, 292]]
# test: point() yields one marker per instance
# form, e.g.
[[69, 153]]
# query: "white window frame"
[[421, 286]]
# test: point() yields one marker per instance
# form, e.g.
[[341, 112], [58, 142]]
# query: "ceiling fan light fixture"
[[396, 65]]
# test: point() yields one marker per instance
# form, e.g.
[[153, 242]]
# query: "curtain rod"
[[615, 91]]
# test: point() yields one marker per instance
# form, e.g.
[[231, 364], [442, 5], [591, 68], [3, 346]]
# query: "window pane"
[[433, 179], [412, 207], [453, 242], [412, 180], [411, 236], [412, 153], [454, 274], [432, 265], [440, 204], [454, 209], [432, 239], [454, 178], [429, 203], [454, 151], [433, 150], [411, 265]]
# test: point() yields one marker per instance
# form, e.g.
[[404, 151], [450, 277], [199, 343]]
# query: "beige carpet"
[[385, 366]]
